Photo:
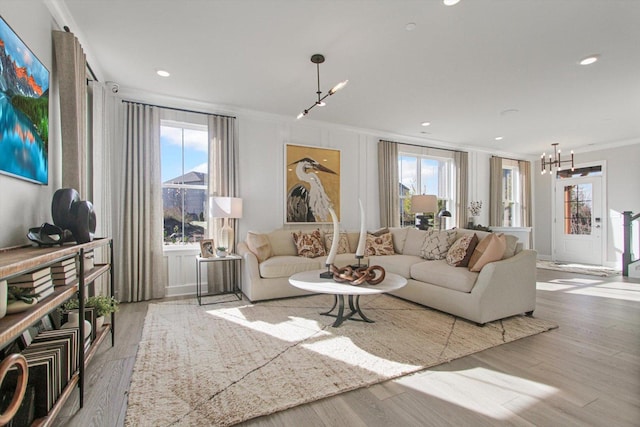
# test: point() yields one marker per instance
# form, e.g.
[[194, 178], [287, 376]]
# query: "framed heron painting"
[[312, 180]]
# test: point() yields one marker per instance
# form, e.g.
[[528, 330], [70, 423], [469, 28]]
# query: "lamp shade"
[[225, 207], [424, 203]]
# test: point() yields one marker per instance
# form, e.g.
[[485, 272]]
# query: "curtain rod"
[[179, 109], [427, 146], [87, 63], [509, 158]]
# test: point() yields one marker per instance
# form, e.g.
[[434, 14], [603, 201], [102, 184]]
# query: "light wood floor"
[[587, 372]]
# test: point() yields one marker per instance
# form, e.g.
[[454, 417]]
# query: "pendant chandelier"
[[319, 59], [554, 161]]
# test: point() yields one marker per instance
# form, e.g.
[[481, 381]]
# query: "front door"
[[579, 219]]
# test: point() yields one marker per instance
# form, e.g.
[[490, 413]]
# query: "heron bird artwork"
[[308, 203]]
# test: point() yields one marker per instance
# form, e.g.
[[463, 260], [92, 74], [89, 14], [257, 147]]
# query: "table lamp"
[[225, 207], [423, 203]]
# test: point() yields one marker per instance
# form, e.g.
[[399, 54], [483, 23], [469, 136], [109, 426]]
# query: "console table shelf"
[[17, 261]]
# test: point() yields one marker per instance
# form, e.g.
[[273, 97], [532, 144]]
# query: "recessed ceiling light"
[[410, 26], [498, 138], [425, 124], [163, 73], [450, 2], [589, 60], [509, 111]]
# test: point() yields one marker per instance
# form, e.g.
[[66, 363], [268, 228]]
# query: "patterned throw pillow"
[[309, 245], [343, 243], [379, 245], [460, 252], [437, 243]]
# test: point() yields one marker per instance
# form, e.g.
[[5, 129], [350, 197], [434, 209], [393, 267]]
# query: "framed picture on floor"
[[312, 180]]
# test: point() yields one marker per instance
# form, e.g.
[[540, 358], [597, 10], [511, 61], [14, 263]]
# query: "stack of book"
[[36, 282], [64, 272]]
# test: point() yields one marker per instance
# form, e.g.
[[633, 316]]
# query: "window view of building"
[[424, 175], [184, 152]]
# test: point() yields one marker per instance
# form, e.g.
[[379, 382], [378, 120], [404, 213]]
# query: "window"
[[420, 174], [578, 201], [511, 195], [184, 152]]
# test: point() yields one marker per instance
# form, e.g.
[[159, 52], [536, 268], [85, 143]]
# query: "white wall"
[[623, 194], [24, 204], [262, 144]]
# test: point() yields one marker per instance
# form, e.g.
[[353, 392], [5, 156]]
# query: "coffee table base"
[[354, 306]]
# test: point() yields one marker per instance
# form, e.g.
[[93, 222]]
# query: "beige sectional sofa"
[[500, 289]]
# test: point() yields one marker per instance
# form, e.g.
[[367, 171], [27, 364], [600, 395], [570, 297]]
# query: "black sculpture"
[[71, 213]]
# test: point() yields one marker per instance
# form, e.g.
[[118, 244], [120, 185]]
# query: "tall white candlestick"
[[362, 241], [336, 238]]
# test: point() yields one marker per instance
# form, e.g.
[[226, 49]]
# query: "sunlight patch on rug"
[[592, 270], [223, 364]]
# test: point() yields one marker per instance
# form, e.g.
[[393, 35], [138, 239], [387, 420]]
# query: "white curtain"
[[223, 181], [139, 262], [106, 126], [70, 67], [388, 184]]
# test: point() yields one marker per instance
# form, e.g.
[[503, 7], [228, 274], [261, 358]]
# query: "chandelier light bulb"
[[301, 115], [338, 87]]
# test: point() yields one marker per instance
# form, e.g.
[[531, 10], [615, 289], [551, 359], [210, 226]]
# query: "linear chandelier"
[[554, 161], [319, 59]]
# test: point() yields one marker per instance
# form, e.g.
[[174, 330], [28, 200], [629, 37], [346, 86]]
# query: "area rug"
[[226, 363], [591, 270]]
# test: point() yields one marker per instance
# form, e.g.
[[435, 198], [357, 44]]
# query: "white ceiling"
[[477, 70]]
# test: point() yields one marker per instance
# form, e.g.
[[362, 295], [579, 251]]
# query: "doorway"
[[579, 223]]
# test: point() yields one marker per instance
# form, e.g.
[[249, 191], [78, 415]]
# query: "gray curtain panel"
[[139, 262], [496, 211], [223, 181], [70, 69], [462, 190], [388, 184]]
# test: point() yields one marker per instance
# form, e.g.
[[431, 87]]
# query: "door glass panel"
[[578, 200]]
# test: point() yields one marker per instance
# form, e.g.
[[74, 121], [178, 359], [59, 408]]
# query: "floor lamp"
[[225, 207]]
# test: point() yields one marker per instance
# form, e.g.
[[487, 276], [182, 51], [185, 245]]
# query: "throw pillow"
[[343, 243], [460, 252], [379, 245], [490, 249], [309, 245], [437, 243], [259, 245], [379, 232]]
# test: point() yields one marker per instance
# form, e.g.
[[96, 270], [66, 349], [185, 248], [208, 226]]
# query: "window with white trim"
[[511, 197], [184, 157], [425, 174]]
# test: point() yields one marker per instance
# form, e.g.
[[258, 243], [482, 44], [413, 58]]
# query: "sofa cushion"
[[398, 264], [437, 243], [460, 252], [439, 273], [379, 245], [353, 238], [510, 250], [259, 245], [309, 245], [343, 243], [287, 265], [490, 249], [414, 241], [282, 243], [399, 237]]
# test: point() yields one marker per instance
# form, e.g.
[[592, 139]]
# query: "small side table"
[[235, 290]]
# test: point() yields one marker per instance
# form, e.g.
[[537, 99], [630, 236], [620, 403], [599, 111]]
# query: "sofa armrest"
[[509, 282], [251, 265]]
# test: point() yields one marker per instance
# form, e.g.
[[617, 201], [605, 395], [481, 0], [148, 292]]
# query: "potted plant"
[[221, 251], [103, 305]]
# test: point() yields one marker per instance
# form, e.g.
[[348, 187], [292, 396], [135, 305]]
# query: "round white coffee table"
[[312, 282]]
